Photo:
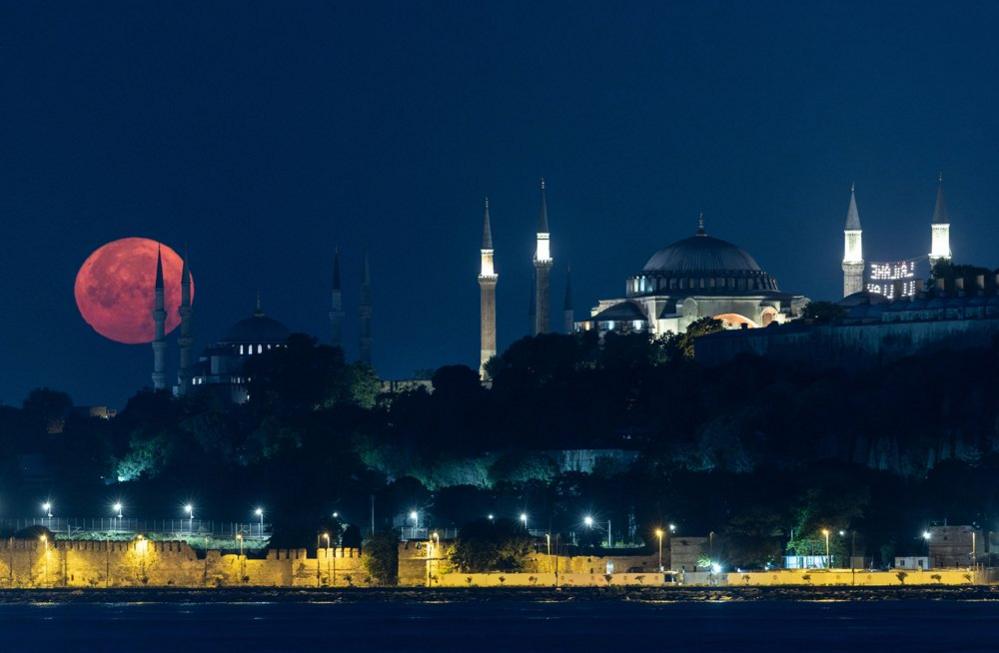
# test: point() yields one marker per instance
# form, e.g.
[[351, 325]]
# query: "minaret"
[[940, 229], [336, 304], [853, 249], [186, 339], [567, 312], [159, 319], [531, 306], [542, 268], [364, 313], [487, 295]]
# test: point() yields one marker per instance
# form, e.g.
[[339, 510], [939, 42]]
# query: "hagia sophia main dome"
[[700, 276]]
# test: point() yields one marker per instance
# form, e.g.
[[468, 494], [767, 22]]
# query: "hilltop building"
[[697, 277]]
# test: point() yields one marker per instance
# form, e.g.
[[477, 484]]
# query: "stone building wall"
[[30, 563]]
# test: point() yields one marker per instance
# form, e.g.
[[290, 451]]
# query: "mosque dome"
[[702, 264], [701, 253], [258, 329]]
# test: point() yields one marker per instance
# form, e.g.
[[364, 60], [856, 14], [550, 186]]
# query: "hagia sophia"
[[692, 278]]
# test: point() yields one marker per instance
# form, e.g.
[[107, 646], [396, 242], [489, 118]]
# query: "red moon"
[[115, 289]]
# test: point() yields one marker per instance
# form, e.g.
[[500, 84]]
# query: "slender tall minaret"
[[364, 312], [853, 249], [567, 313], [542, 268], [487, 294], [186, 338], [159, 320], [336, 304], [940, 229], [531, 306]]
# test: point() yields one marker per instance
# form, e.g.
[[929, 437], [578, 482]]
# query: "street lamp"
[[491, 517], [672, 528], [47, 509], [326, 536], [259, 512], [926, 535], [117, 508], [588, 520], [242, 562], [189, 509], [659, 534], [825, 532], [523, 519]]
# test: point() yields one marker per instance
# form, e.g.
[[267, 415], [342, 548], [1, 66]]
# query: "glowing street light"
[[926, 535], [259, 512], [672, 528], [47, 509], [491, 517], [659, 534], [588, 520], [523, 519], [189, 509], [825, 532]]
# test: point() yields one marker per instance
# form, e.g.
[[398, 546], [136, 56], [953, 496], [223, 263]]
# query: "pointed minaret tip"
[[543, 211], [159, 267], [700, 224], [487, 227], [852, 214], [940, 215]]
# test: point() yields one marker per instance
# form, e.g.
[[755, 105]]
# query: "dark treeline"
[[762, 454]]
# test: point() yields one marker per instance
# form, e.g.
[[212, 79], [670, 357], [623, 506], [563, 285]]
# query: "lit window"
[[260, 349]]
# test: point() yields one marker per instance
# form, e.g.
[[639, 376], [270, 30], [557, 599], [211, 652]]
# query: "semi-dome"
[[257, 329], [701, 253]]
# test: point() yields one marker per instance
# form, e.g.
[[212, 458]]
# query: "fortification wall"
[[31, 563]]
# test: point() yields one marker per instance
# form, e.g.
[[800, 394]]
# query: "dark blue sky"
[[265, 134]]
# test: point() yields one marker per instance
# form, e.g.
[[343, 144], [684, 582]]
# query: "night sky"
[[265, 134]]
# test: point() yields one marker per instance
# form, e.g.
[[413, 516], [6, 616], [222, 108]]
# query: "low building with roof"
[[700, 276]]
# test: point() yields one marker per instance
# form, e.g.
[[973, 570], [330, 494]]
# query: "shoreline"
[[417, 595]]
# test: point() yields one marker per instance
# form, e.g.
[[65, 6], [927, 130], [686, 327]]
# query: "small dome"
[[257, 329], [702, 253]]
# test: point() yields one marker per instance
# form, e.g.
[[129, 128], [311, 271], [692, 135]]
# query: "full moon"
[[115, 289]]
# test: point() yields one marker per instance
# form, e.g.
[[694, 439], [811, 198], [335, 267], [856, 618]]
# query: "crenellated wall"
[[31, 563]]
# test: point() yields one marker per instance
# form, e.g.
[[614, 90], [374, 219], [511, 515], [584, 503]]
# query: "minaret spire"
[[364, 313], [159, 326], [542, 267], [567, 312], [700, 225], [853, 248], [186, 338], [336, 304], [487, 294], [940, 228]]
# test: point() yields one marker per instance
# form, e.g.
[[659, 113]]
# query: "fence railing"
[[69, 526], [423, 533]]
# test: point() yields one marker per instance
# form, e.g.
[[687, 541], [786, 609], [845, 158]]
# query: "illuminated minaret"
[[853, 249], [487, 294], [336, 304], [542, 268], [186, 339], [364, 312], [940, 234], [567, 312], [159, 319]]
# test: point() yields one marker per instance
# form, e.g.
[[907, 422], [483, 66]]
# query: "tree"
[[380, 556], [823, 312], [491, 545]]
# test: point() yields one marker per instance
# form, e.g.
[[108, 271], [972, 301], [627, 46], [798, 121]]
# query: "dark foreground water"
[[149, 622]]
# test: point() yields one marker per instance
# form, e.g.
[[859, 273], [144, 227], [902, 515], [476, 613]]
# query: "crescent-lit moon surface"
[[115, 288]]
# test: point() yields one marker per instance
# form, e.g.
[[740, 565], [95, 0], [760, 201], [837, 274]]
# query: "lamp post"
[[523, 519], [259, 512], [47, 509], [189, 509], [659, 534], [117, 507], [326, 536], [242, 564], [414, 516], [825, 532]]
